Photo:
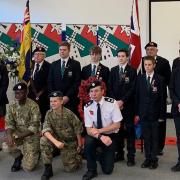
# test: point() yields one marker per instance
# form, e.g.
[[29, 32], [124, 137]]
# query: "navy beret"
[[94, 84], [39, 49], [151, 44], [20, 86], [56, 94]]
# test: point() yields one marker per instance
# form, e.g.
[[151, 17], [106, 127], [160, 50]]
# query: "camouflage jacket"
[[23, 117], [64, 127]]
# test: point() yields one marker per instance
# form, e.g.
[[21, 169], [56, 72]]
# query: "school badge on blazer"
[[70, 73]]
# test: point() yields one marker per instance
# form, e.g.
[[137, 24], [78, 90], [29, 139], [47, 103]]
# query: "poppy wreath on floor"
[[84, 95]]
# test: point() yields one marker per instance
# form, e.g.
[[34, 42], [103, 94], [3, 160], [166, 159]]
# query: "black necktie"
[[120, 73], [36, 70], [63, 68], [99, 120], [93, 72], [149, 81], [121, 70]]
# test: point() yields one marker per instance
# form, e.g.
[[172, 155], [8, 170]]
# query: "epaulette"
[[89, 103], [108, 99]]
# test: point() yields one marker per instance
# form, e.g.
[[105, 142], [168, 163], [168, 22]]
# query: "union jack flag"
[[135, 39]]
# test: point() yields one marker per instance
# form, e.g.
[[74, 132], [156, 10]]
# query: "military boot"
[[17, 164], [47, 172]]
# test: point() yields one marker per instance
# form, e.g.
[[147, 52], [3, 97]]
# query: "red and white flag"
[[135, 39]]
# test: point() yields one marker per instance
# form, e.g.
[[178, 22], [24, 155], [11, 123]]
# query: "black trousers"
[[150, 136], [107, 156], [161, 135], [126, 131], [177, 126]]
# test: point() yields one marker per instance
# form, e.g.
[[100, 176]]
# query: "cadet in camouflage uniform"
[[62, 130], [23, 124]]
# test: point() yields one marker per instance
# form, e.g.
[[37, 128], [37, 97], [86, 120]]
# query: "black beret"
[[20, 86], [39, 49], [56, 94], [151, 44], [94, 84]]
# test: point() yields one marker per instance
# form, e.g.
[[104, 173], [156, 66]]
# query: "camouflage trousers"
[[70, 158], [30, 148]]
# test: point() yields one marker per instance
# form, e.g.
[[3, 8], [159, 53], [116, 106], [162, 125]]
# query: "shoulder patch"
[[89, 103], [108, 99]]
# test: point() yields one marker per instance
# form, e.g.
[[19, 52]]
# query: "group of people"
[[44, 116]]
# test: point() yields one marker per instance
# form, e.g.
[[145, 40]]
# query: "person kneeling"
[[62, 130], [22, 125], [102, 121]]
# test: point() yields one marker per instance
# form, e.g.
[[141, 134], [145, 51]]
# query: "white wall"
[[166, 28], [76, 12]]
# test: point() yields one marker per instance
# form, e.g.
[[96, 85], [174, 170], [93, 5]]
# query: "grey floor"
[[121, 171]]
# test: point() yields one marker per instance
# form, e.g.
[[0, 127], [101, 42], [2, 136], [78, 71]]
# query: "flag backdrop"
[[135, 40], [109, 37], [25, 49]]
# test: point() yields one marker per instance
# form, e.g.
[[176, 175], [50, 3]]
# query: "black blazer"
[[176, 63], [149, 103], [40, 81], [4, 82], [123, 89], [69, 83], [175, 91], [162, 68], [104, 72]]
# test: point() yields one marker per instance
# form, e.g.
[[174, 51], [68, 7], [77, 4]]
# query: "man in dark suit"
[[162, 68], [149, 109], [175, 95], [122, 87], [38, 83], [176, 62], [4, 82], [95, 68], [65, 76]]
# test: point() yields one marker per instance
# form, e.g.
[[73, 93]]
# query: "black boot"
[[47, 172], [17, 164]]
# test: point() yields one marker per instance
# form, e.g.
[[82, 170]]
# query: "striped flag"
[[25, 49], [135, 39]]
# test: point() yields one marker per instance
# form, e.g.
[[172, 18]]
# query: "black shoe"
[[119, 157], [47, 172], [146, 164], [176, 167], [17, 164], [160, 153], [153, 165], [130, 162], [89, 175]]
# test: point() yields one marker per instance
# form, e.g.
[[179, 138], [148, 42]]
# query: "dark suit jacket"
[[69, 83], [4, 82], [123, 89], [176, 63], [40, 81], [162, 68], [104, 72], [40, 84], [175, 91], [149, 103]]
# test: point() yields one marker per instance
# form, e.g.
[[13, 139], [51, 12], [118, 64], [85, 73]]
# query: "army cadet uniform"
[[64, 128], [22, 118]]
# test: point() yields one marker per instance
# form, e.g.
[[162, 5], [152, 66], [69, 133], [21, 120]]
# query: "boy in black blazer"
[[121, 87], [149, 109], [95, 68]]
